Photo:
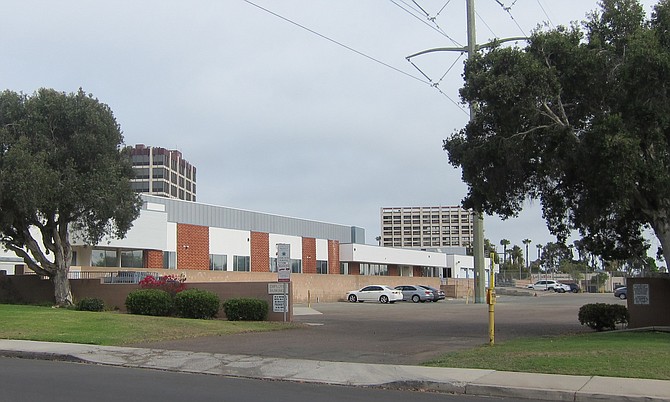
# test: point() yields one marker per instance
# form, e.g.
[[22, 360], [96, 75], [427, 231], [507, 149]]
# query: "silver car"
[[415, 293]]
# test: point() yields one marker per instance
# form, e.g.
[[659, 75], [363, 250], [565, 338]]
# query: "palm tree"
[[504, 243], [539, 256], [526, 242]]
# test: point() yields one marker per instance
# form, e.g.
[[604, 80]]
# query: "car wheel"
[[562, 291], [416, 298], [352, 298], [383, 299], [575, 291], [622, 296]]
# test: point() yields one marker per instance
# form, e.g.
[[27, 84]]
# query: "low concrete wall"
[[32, 289]]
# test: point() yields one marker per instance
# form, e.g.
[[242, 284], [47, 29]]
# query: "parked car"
[[438, 294], [381, 293], [562, 287], [574, 288], [621, 293], [415, 293], [543, 285]]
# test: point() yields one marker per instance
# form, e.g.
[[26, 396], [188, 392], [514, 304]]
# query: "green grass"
[[111, 328], [611, 354]]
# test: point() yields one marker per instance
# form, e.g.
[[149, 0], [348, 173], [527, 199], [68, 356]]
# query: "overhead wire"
[[508, 9], [545, 14], [427, 81], [434, 26], [335, 42]]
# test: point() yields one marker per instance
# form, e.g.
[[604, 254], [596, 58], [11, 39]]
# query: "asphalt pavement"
[[373, 345]]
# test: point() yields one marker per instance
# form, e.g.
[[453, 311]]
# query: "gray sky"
[[276, 118]]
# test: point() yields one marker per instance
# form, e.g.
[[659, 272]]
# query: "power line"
[[434, 26], [427, 81], [545, 14], [508, 9]]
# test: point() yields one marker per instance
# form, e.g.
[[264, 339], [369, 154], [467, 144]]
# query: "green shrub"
[[600, 316], [196, 303], [149, 302], [246, 309], [90, 304]]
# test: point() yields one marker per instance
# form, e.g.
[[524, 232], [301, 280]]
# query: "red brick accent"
[[260, 252], [308, 255], [354, 268], [333, 257], [192, 246], [417, 271], [393, 270], [153, 259]]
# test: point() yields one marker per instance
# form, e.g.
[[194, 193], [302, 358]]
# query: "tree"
[[577, 119], [553, 254], [504, 243], [63, 173]]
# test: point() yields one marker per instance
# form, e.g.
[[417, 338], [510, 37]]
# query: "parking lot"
[[404, 332]]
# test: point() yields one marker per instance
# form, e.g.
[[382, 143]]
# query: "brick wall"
[[192, 246], [308, 255], [260, 249], [333, 257], [153, 259]]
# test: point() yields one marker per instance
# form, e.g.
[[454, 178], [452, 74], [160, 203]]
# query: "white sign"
[[276, 288], [641, 293], [279, 303], [284, 262]]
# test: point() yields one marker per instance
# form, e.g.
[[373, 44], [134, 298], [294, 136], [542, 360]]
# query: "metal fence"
[[126, 277]]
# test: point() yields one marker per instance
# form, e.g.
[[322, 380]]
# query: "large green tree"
[[580, 120], [62, 171]]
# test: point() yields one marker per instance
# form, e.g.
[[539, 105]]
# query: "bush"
[[149, 302], [196, 303], [90, 304], [245, 309], [600, 316]]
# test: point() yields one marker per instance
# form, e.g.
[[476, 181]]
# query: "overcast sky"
[[305, 109]]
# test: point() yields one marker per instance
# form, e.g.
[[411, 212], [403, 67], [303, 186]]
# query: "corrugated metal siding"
[[223, 217]]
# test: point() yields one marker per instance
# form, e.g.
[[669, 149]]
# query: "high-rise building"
[[162, 172], [426, 227]]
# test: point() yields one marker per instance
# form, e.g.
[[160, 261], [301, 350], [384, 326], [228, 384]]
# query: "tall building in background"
[[162, 172], [426, 227]]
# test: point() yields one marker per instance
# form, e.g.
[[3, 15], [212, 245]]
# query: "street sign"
[[279, 304], [276, 288], [283, 262]]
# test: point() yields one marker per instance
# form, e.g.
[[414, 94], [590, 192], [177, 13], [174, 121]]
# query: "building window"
[[344, 268], [103, 258], [241, 263], [218, 262], [169, 260], [296, 266], [132, 259], [321, 267], [374, 269]]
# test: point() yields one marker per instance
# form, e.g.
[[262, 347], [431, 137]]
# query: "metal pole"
[[478, 219]]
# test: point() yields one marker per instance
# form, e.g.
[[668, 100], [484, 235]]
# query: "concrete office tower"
[[426, 227], [162, 172]]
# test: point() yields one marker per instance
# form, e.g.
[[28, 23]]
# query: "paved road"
[[72, 382], [402, 333]]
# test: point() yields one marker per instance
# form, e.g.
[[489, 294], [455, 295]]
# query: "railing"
[[109, 277]]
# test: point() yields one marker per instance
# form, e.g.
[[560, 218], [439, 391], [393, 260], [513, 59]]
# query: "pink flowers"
[[172, 284]]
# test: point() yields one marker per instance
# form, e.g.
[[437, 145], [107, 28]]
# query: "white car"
[[543, 285], [380, 293], [562, 288]]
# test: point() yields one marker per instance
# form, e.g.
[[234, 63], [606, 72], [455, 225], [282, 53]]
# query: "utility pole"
[[477, 216]]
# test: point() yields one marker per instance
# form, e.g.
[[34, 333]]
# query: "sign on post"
[[283, 262]]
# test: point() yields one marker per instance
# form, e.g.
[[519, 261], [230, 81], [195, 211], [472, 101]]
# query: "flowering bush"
[[172, 284]]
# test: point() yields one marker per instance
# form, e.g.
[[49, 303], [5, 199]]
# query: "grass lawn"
[[111, 328], [611, 354]]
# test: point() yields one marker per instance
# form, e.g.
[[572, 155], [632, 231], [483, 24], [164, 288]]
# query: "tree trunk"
[[61, 283], [662, 231]]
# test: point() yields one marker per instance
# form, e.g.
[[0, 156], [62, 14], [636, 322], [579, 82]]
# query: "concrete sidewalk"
[[456, 381]]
